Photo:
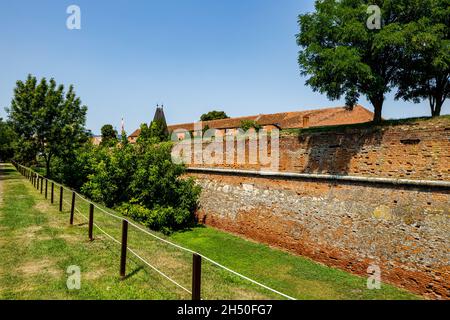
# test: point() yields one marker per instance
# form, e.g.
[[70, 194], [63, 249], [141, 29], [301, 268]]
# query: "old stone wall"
[[403, 229]]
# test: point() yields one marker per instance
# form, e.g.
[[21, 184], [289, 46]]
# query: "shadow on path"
[[6, 172]]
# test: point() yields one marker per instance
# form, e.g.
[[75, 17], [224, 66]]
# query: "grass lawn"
[[37, 245]]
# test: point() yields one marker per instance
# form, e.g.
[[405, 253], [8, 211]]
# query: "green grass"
[[37, 245]]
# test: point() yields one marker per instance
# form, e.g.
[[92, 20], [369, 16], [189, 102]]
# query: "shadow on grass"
[[197, 225], [6, 172], [132, 273]]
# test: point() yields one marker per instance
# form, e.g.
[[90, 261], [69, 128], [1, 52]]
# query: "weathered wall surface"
[[403, 229], [416, 150]]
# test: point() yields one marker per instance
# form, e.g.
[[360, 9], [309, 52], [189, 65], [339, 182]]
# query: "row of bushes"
[[139, 181]]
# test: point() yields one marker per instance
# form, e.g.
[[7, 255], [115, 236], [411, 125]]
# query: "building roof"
[[287, 120]]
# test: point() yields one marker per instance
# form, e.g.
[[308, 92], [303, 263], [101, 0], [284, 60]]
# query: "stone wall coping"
[[263, 173]]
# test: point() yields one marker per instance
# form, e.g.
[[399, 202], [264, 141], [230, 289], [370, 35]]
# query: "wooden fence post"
[[72, 208], [91, 221], [196, 276], [123, 252], [61, 190], [46, 188], [52, 193], [42, 184]]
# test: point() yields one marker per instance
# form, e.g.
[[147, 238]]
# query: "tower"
[[160, 117]]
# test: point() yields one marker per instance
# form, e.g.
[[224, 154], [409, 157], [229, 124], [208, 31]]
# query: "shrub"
[[247, 124], [142, 182]]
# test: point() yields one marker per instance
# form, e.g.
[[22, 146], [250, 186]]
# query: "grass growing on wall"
[[366, 125], [37, 245]]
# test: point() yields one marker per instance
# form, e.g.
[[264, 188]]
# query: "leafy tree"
[[109, 135], [155, 133], [247, 124], [7, 139], [161, 199], [74, 171], [425, 72], [214, 115], [142, 182], [111, 176], [48, 121], [159, 131], [342, 57]]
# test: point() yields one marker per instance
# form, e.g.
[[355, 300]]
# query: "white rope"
[[247, 278], [165, 276], [174, 245], [137, 256]]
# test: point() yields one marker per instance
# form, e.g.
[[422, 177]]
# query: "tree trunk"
[[377, 103], [436, 111], [47, 166]]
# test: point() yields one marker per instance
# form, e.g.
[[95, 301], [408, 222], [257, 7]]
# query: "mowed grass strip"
[[293, 275], [37, 245]]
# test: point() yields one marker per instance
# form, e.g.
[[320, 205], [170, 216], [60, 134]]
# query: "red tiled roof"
[[287, 120]]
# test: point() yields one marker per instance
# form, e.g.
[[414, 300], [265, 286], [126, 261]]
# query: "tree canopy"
[[214, 115], [109, 135], [425, 65], [48, 121], [343, 57], [155, 133], [7, 138]]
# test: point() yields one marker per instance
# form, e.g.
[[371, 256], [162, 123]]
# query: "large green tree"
[[343, 57], [109, 135], [7, 138], [49, 122], [155, 133], [425, 66], [214, 115]]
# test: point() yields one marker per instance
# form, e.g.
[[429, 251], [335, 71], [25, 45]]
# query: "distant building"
[[283, 120], [96, 140]]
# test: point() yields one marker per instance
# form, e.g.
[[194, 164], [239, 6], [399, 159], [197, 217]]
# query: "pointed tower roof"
[[159, 116]]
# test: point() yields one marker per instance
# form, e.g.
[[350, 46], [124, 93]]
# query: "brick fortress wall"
[[403, 229]]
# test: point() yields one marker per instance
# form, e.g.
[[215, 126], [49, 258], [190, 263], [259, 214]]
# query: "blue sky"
[[239, 56]]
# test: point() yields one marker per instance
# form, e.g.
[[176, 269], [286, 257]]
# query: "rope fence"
[[119, 227]]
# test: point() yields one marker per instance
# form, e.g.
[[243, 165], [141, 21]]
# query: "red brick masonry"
[[403, 229]]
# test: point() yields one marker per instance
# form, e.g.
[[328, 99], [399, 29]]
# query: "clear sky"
[[239, 56]]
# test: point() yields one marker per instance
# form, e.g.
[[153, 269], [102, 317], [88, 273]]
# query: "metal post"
[[61, 190], [123, 253], [72, 208], [91, 221], [196, 276]]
